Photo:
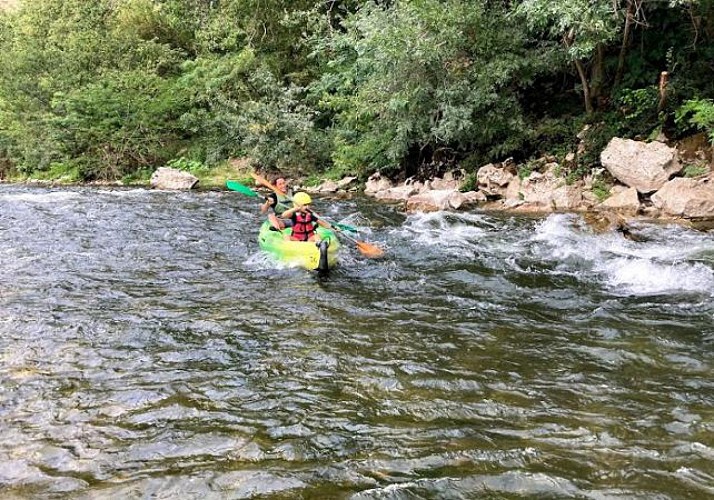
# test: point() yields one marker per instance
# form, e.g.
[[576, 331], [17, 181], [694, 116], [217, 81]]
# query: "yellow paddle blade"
[[369, 250]]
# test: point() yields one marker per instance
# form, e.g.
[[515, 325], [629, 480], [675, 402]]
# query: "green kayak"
[[300, 253]]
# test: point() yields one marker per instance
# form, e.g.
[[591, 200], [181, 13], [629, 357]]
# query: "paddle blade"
[[237, 186], [344, 227], [369, 250]]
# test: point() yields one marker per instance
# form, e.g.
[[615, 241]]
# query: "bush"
[[698, 113]]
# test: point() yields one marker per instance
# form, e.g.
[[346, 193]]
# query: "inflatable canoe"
[[305, 254]]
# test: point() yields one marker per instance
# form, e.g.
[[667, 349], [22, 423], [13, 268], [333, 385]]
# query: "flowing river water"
[[148, 349]]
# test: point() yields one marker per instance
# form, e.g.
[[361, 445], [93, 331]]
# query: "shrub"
[[698, 113]]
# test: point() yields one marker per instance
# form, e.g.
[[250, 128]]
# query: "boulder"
[[448, 182], [435, 200], [171, 178], [474, 197], [345, 182], [493, 181], [328, 186], [398, 193], [644, 166], [623, 200], [686, 198], [549, 191], [376, 183]]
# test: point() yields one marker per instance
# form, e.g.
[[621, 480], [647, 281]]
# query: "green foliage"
[[638, 110], [239, 108], [695, 169], [526, 169], [415, 76], [581, 24], [636, 103], [554, 136], [698, 113], [75, 91], [194, 167], [470, 183], [108, 89], [61, 172], [140, 176], [600, 189], [123, 122]]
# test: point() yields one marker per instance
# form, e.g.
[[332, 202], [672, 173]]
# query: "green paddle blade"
[[344, 227], [237, 186]]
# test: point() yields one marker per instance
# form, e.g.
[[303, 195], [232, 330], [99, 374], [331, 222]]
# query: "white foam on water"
[[262, 261], [430, 229], [127, 193], [647, 277], [627, 267], [40, 197]]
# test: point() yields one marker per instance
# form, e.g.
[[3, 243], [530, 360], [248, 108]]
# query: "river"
[[148, 349]]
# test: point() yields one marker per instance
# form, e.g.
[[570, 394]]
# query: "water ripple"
[[149, 349]]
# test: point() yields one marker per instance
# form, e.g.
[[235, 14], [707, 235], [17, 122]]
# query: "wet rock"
[[435, 200], [548, 191], [493, 180], [376, 183], [398, 193]]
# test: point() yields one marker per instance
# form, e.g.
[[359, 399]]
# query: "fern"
[[700, 114]]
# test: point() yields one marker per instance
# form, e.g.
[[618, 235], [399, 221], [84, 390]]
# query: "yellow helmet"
[[302, 198]]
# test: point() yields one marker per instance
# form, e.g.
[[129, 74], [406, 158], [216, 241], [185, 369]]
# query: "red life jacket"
[[304, 225]]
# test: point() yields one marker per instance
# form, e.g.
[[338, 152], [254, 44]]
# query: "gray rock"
[[644, 166], [171, 178]]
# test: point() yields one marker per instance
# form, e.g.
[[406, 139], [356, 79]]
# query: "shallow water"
[[148, 349]]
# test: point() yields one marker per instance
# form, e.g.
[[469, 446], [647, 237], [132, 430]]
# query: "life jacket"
[[304, 225]]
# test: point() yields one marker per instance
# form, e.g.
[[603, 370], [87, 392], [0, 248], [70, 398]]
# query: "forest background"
[[113, 89]]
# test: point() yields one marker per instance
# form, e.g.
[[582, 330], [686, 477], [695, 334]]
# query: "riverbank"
[[638, 181]]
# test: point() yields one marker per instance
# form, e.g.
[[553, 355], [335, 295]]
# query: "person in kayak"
[[277, 204], [304, 221]]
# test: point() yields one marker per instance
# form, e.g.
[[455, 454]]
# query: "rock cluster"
[[648, 182]]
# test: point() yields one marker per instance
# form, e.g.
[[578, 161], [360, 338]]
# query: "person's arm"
[[288, 214], [270, 201]]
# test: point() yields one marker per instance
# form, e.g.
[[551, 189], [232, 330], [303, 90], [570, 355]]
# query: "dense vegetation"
[[112, 89]]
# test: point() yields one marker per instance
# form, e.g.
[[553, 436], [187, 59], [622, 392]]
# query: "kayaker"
[[277, 204], [304, 221]]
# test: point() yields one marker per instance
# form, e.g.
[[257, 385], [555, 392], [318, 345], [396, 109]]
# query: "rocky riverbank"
[[639, 179]]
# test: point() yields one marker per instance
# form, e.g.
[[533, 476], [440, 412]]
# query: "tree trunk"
[[586, 87], [597, 74], [663, 81], [629, 17], [568, 41]]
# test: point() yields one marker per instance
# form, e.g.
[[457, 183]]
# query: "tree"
[[583, 28], [411, 79]]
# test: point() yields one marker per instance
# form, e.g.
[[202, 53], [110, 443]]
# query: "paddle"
[[367, 249], [237, 186]]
